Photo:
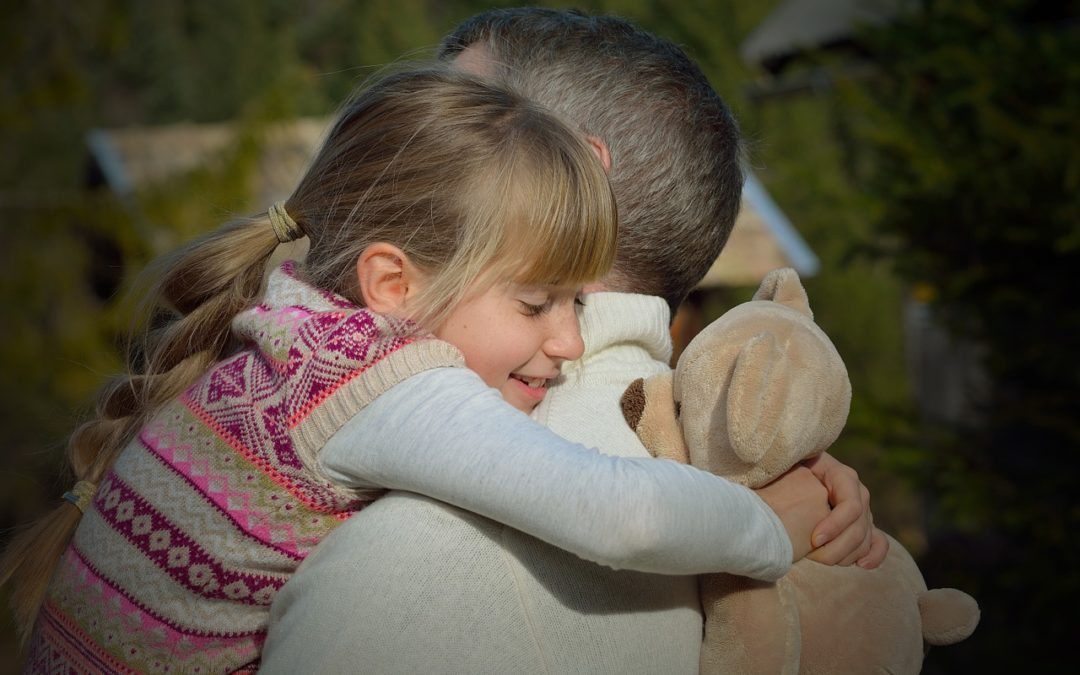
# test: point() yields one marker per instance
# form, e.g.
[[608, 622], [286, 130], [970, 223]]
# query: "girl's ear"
[[387, 279]]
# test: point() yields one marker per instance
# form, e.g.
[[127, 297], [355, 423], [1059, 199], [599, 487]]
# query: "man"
[[411, 585]]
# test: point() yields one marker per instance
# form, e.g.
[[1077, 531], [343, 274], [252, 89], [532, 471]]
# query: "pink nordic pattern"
[[216, 502], [175, 552], [103, 616], [259, 495]]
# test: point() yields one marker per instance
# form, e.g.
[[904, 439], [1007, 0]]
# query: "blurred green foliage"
[[971, 142]]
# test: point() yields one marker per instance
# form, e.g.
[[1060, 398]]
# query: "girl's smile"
[[516, 337], [531, 387]]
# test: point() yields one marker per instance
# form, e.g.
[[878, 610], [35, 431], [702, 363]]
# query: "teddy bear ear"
[[784, 286], [752, 400]]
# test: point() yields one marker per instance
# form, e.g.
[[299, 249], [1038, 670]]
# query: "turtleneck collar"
[[609, 319]]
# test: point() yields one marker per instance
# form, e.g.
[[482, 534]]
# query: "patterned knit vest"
[[210, 509]]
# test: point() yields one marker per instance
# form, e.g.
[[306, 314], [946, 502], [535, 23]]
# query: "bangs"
[[557, 223], [538, 211]]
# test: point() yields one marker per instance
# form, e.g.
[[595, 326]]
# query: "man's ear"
[[601, 150], [387, 279]]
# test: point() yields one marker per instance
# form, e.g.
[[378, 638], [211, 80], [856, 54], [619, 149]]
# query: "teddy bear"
[[757, 391]]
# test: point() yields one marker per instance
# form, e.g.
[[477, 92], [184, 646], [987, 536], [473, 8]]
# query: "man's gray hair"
[[675, 147]]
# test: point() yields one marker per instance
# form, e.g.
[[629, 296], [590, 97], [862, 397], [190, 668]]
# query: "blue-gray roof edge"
[[791, 242]]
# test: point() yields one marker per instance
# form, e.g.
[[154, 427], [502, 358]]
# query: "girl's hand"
[[801, 501], [847, 535]]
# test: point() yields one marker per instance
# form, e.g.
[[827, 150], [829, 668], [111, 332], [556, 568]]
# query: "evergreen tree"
[[973, 148]]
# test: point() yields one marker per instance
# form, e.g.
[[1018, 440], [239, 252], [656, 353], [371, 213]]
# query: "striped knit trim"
[[177, 553], [103, 621], [61, 647], [91, 592], [208, 480]]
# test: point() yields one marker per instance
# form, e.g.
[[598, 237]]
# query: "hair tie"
[[284, 226], [81, 494]]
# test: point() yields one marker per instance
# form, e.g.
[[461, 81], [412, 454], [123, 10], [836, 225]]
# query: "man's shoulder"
[[405, 571]]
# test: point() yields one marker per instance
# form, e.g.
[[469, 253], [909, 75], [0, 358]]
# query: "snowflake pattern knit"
[[210, 509]]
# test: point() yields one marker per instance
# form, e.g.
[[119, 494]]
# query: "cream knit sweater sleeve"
[[445, 434]]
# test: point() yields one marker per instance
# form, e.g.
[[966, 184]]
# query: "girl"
[[450, 223]]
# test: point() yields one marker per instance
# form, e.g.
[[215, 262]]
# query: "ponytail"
[[187, 317]]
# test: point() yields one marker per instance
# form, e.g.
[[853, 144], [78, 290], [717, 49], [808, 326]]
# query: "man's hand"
[[847, 535]]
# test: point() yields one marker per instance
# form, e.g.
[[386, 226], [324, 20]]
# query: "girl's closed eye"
[[535, 310], [540, 305], [535, 304]]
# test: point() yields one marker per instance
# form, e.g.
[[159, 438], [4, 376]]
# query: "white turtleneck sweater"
[[411, 584]]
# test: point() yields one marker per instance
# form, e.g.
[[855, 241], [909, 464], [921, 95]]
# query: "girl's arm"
[[445, 434]]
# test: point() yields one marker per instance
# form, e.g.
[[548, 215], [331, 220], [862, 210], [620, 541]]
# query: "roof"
[[136, 157], [798, 25], [762, 240]]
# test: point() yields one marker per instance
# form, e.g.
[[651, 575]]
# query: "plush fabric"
[[758, 390], [209, 510]]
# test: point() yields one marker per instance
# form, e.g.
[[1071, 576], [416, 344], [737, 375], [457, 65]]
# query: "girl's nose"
[[564, 342]]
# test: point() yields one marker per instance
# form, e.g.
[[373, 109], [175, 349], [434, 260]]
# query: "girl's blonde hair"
[[466, 179], [473, 183]]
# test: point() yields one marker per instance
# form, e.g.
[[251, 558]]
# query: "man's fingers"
[[879, 548], [841, 518], [850, 501], [847, 536], [841, 480], [854, 543]]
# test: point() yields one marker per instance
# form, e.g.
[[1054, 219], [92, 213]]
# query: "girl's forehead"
[[513, 287], [554, 288]]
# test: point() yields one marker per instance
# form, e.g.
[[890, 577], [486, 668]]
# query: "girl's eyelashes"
[[539, 302], [530, 309]]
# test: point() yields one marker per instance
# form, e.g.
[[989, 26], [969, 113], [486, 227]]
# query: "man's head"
[[674, 146]]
